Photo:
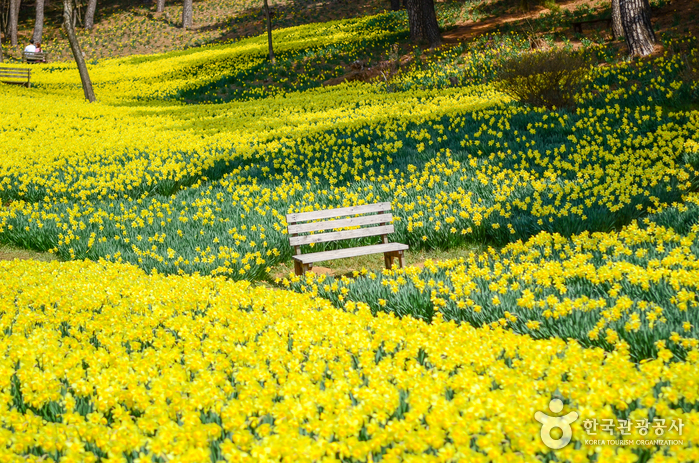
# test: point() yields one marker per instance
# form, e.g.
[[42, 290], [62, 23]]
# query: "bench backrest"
[[14, 73], [34, 56], [369, 214]]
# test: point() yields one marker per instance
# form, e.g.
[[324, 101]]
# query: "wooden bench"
[[16, 76], [578, 25], [34, 57], [362, 216]]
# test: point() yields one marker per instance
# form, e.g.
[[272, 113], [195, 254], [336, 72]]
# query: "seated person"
[[39, 50], [31, 48]]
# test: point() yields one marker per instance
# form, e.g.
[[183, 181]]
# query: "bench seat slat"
[[350, 252], [342, 223], [339, 212], [341, 235]]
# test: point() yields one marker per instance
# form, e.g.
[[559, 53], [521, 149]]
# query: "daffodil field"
[[165, 201], [103, 361]]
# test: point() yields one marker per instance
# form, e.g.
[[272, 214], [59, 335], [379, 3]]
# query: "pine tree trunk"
[[617, 28], [77, 51], [395, 5], [635, 18], [39, 22], [269, 33], [415, 21], [431, 28], [422, 19], [90, 14], [187, 13], [161, 6], [13, 21]]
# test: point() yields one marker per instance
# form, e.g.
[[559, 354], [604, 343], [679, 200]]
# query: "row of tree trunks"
[[422, 20], [638, 30], [38, 32], [160, 6]]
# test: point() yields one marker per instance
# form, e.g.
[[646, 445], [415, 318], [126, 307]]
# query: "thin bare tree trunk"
[[269, 33], [617, 28], [187, 13], [90, 14], [13, 21], [395, 5], [638, 30], [161, 6], [77, 51], [39, 22], [1, 51]]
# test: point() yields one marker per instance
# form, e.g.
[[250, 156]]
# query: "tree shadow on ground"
[[251, 22]]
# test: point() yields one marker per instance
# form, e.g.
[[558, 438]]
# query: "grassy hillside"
[[132, 27]]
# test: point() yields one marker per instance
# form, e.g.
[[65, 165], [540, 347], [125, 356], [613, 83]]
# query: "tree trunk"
[[269, 33], [187, 13], [90, 14], [161, 6], [1, 50], [77, 51], [415, 22], [395, 5], [422, 19], [617, 28], [635, 19], [432, 35], [39, 22], [13, 21]]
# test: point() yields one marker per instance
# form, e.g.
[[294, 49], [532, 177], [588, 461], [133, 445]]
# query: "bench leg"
[[301, 269], [388, 260]]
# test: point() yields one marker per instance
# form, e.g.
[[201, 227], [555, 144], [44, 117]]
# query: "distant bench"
[[34, 57], [16, 76], [380, 216]]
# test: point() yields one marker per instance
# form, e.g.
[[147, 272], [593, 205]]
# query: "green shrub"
[[543, 78]]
